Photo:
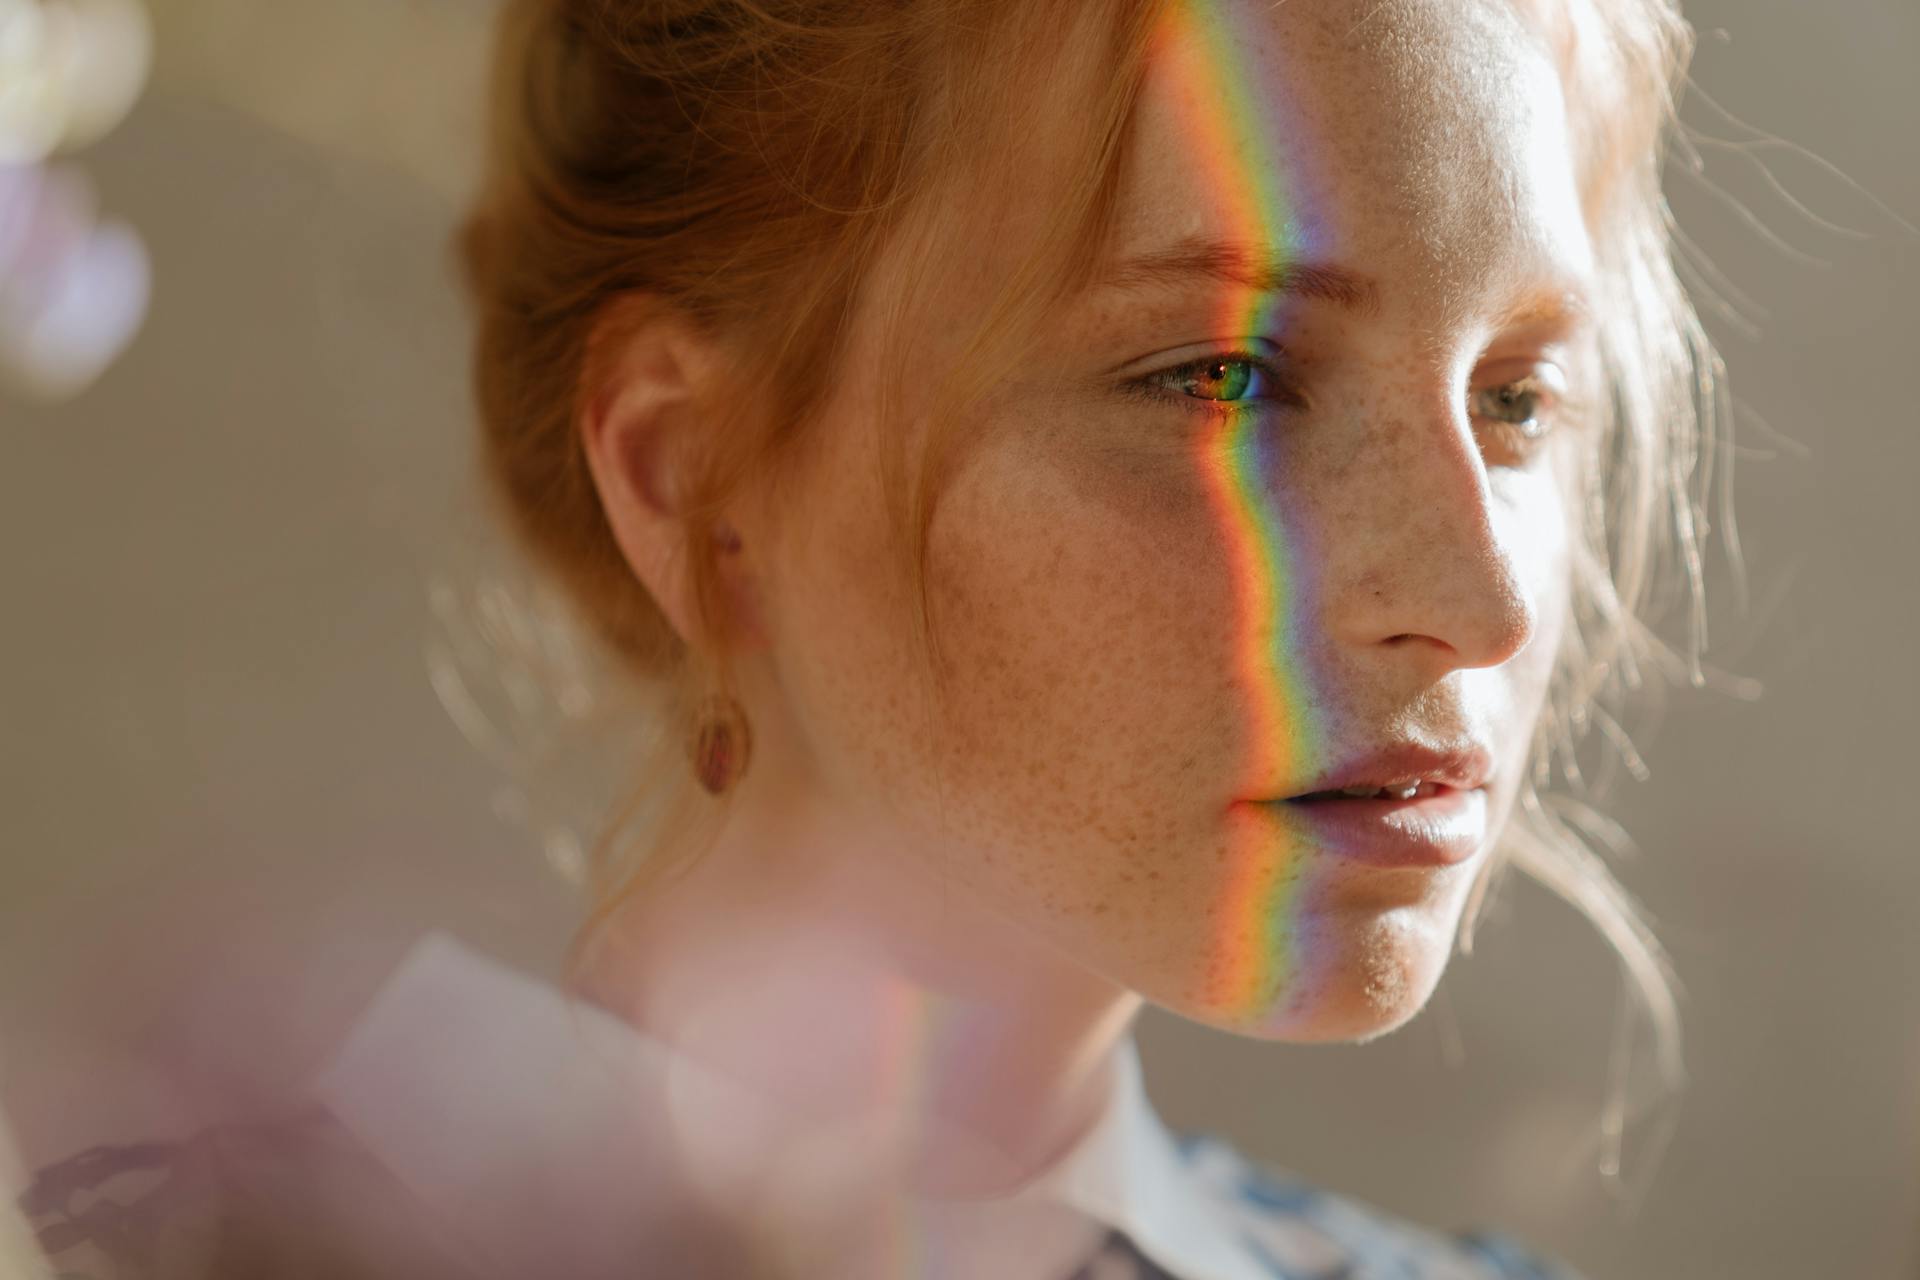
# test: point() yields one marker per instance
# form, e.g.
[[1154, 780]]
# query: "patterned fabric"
[[1300, 1232]]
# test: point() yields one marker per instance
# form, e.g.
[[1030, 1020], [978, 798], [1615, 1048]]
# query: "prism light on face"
[[1326, 674], [1227, 127]]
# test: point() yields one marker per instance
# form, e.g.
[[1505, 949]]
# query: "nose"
[[1432, 572]]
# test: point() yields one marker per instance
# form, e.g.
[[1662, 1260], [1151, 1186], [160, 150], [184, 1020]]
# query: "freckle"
[[1153, 875]]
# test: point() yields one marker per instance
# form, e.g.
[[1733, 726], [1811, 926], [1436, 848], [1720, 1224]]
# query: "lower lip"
[[1440, 830]]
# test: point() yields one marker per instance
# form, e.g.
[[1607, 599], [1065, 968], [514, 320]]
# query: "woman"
[[1126, 501]]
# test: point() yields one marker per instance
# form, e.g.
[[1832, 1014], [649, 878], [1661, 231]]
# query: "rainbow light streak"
[[1230, 129]]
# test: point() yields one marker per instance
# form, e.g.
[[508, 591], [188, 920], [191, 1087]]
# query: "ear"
[[649, 378]]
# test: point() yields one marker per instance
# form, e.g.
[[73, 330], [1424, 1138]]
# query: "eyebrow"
[[1237, 264], [1550, 308]]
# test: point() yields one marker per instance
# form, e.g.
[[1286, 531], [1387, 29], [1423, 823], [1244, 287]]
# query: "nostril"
[[1417, 639]]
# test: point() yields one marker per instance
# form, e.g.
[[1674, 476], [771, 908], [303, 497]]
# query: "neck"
[[841, 976]]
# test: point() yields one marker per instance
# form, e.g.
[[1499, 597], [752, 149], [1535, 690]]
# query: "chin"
[[1349, 982], [1351, 1008]]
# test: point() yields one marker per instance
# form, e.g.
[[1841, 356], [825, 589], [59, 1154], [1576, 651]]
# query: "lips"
[[1462, 767], [1442, 829], [1404, 805], [1367, 791]]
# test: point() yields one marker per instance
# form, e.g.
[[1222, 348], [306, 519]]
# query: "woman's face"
[[1279, 503]]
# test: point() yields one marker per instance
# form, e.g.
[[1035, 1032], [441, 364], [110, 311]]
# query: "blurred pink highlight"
[[73, 288]]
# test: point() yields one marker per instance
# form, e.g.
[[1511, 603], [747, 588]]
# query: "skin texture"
[[945, 905]]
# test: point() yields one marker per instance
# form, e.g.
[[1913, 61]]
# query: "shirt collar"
[[532, 1125]]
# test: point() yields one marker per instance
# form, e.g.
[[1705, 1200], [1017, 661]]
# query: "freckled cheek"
[[838, 611], [1089, 732], [1090, 657]]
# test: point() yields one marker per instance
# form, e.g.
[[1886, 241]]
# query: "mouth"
[[1418, 789], [1406, 806], [1428, 824]]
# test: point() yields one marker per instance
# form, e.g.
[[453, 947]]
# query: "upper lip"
[[1464, 767]]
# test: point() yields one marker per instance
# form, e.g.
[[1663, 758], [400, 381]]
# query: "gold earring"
[[721, 744]]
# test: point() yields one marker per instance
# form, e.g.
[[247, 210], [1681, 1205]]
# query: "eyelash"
[[1520, 439]]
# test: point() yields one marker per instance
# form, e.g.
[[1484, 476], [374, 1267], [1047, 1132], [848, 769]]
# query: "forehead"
[[1423, 141]]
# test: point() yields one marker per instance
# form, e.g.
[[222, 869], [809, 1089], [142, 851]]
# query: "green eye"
[[1219, 379], [1223, 380], [1516, 404], [1228, 382]]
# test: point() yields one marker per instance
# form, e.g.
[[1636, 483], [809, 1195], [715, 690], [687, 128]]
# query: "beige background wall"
[[231, 797]]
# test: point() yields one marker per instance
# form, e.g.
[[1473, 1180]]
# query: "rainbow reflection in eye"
[[1226, 112], [1227, 379]]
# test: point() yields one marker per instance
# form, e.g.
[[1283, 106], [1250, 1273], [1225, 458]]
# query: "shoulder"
[[295, 1195], [1303, 1230]]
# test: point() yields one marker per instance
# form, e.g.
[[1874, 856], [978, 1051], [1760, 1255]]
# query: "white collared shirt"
[[554, 1140]]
